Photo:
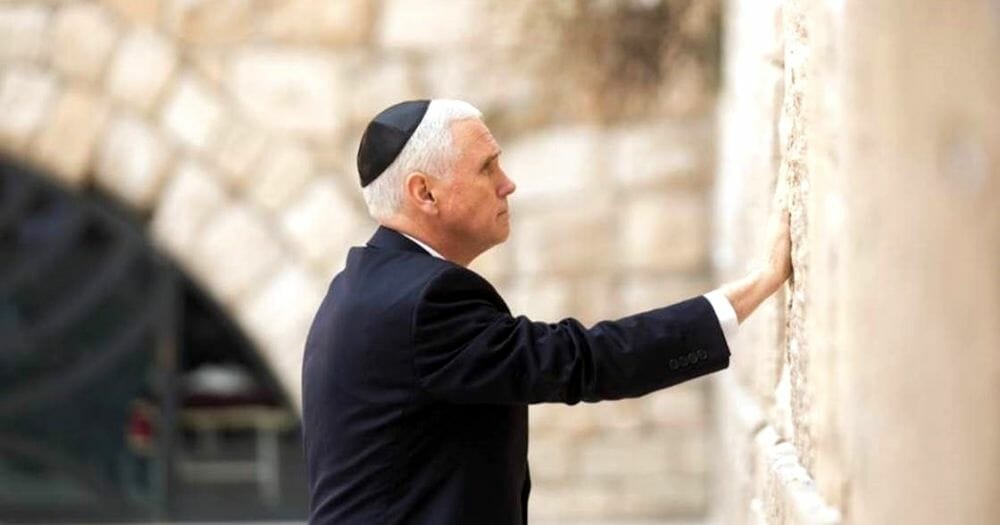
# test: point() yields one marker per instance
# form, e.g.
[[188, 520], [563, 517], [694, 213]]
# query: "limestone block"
[[278, 316], [132, 160], [23, 32], [65, 144], [190, 197], [620, 454], [281, 173], [660, 495], [26, 95], [143, 13], [682, 407], [141, 67], [649, 153], [320, 223], [82, 38], [569, 422], [665, 231], [237, 151], [193, 112], [442, 24], [624, 415], [235, 252], [386, 82], [571, 501], [540, 299], [490, 85], [640, 293], [291, 90], [554, 163], [210, 22], [495, 264], [565, 241], [594, 298], [344, 22], [550, 458]]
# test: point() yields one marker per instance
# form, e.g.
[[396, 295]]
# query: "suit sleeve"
[[469, 349]]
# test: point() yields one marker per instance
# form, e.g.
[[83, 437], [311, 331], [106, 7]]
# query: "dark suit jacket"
[[416, 381]]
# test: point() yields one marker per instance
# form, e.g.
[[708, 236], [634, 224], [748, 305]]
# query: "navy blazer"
[[416, 381]]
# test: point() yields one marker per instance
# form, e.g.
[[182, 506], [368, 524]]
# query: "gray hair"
[[430, 150]]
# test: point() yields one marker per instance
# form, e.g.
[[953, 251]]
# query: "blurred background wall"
[[227, 129], [868, 393], [224, 133]]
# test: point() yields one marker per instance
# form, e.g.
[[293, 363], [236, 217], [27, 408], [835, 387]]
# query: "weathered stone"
[[574, 502], [83, 36], [193, 112], [565, 241], [550, 458], [290, 90], [665, 231], [26, 95], [386, 83], [235, 252], [619, 454], [660, 495], [640, 293], [132, 161], [319, 21], [541, 299], [491, 86], [239, 148], [495, 264], [442, 24], [65, 144], [281, 173], [23, 32], [321, 222], [683, 407], [554, 163], [190, 197], [210, 22], [143, 13], [278, 316], [141, 67], [650, 153]]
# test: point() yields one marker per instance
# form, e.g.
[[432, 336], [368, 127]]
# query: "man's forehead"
[[473, 133]]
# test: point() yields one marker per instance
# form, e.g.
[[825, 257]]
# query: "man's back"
[[416, 381], [379, 449]]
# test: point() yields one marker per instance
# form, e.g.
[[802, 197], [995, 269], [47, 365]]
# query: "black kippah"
[[385, 137]]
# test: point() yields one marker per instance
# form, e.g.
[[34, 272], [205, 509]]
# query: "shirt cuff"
[[727, 316]]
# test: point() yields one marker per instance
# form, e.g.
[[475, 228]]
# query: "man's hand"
[[773, 269]]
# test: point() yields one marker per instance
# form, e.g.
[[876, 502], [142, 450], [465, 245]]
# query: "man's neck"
[[427, 237]]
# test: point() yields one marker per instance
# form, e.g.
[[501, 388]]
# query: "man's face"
[[473, 201]]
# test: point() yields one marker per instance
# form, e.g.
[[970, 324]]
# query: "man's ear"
[[419, 189]]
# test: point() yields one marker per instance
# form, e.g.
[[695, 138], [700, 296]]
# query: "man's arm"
[[746, 294]]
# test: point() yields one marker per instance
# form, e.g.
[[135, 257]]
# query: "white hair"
[[430, 150]]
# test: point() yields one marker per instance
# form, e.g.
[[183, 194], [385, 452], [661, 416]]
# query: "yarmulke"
[[385, 137]]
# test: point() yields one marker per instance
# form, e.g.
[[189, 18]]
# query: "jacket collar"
[[390, 239]]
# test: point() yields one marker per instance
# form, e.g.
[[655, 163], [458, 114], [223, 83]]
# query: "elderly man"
[[417, 377]]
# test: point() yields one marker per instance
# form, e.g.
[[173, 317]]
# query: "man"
[[416, 376]]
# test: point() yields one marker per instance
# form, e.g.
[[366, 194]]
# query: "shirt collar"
[[420, 243]]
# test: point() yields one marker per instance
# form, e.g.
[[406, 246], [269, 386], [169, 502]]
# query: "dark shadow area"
[[126, 393]]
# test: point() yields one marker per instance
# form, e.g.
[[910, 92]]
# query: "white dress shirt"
[[723, 309]]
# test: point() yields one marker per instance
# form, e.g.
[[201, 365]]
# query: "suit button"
[[673, 364], [683, 360], [692, 358], [702, 353]]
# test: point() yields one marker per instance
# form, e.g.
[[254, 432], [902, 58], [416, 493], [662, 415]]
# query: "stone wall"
[[866, 392], [230, 126]]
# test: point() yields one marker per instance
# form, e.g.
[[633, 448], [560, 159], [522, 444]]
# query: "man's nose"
[[507, 186]]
